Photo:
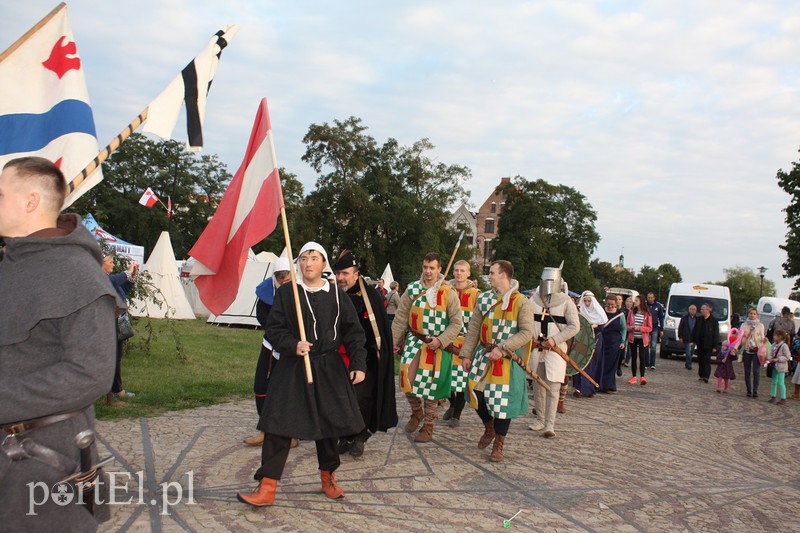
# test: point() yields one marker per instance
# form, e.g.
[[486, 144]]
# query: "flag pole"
[[106, 152], [453, 256], [19, 42], [301, 326]]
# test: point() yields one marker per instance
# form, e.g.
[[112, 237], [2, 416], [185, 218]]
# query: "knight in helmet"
[[556, 321]]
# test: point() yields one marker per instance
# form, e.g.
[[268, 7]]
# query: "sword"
[[546, 347], [86, 477]]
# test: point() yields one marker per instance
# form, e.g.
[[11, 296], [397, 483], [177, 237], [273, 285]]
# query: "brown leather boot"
[[425, 434], [497, 449], [329, 486], [263, 495], [415, 420], [561, 408], [488, 434], [112, 402], [255, 440]]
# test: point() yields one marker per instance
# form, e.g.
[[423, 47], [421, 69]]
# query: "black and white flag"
[[190, 87]]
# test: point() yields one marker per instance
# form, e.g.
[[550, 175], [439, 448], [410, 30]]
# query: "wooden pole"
[[19, 42], [104, 154], [544, 346], [301, 325], [453, 255]]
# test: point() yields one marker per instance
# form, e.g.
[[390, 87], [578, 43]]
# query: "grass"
[[185, 364]]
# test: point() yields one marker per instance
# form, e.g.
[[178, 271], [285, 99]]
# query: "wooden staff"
[[300, 323], [371, 314], [453, 256], [19, 42], [104, 154], [546, 346], [517, 359]]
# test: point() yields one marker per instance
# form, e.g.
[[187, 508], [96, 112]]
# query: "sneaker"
[[536, 426], [782, 402], [772, 400], [644, 381], [749, 394], [719, 391], [755, 395], [652, 368], [632, 381]]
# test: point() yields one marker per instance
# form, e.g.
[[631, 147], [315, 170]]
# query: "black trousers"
[[501, 425], [457, 402], [275, 451], [116, 385], [639, 354], [704, 364]]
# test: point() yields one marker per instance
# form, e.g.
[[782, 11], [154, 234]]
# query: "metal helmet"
[[551, 282]]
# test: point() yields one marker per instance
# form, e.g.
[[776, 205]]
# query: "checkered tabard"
[[434, 322], [425, 384], [459, 379], [410, 349], [496, 396]]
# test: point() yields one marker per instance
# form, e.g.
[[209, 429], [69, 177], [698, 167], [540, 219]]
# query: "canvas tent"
[[133, 251], [165, 278], [242, 312]]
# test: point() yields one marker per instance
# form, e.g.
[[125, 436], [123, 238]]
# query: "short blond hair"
[[463, 263]]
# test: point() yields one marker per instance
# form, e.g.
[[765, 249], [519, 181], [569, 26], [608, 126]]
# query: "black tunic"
[[383, 414], [328, 407]]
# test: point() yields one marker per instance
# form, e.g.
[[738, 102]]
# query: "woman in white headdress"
[[591, 309]]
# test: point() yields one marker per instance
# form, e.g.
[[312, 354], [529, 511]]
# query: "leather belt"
[[24, 426], [452, 349], [424, 338], [488, 346]]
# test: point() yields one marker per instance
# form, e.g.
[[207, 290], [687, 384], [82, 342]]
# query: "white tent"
[[164, 276], [242, 312], [387, 276]]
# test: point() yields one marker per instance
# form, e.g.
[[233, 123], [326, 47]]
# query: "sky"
[[672, 117]]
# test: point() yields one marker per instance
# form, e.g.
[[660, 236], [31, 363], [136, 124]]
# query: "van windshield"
[[678, 306]]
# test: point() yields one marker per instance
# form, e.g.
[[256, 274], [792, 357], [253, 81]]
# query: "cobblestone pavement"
[[673, 455]]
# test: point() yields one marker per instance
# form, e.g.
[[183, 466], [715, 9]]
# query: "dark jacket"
[[686, 333], [657, 311], [57, 353], [384, 413], [706, 334], [327, 408]]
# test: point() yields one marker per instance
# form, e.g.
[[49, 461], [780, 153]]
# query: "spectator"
[[382, 290], [785, 323], [751, 339], [724, 372], [657, 312], [706, 341], [627, 311], [685, 333], [123, 283], [640, 324], [780, 357], [392, 299]]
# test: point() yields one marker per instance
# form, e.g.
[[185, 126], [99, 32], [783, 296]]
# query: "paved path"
[[671, 456]]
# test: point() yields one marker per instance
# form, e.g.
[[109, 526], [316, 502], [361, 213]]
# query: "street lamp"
[[659, 287], [761, 271]]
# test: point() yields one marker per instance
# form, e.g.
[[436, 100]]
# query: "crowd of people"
[[326, 369]]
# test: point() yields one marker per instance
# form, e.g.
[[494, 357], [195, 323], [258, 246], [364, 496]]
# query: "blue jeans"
[[750, 360], [652, 347], [689, 350]]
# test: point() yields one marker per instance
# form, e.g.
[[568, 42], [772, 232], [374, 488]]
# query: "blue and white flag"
[[44, 104]]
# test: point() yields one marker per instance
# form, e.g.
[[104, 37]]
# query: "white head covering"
[[313, 246], [281, 264], [594, 312]]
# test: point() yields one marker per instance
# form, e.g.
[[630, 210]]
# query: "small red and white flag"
[[149, 198], [247, 214]]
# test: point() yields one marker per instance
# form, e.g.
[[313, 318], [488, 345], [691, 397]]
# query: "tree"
[[657, 280], [608, 276], [745, 287], [543, 224], [790, 182], [194, 182], [387, 203]]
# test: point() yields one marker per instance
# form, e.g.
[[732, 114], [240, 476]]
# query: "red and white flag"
[[246, 215], [149, 198]]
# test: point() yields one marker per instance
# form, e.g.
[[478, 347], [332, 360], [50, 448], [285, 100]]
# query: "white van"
[[681, 296], [769, 307]]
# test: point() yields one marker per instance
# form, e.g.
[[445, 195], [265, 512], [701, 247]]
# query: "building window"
[[502, 206], [489, 228], [494, 207], [487, 250]]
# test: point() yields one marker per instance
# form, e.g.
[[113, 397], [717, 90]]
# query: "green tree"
[[387, 203], [543, 224], [745, 286], [790, 182], [608, 276], [194, 182]]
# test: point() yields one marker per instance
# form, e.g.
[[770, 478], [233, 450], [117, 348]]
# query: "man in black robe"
[[322, 411], [376, 393]]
